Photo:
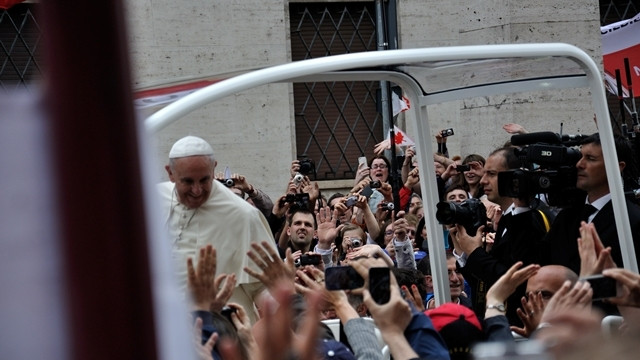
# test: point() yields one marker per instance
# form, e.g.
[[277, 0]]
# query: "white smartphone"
[[362, 160]]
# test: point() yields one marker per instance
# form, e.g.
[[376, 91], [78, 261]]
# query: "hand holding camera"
[[295, 168], [629, 294], [400, 229], [468, 243], [471, 214], [362, 173]]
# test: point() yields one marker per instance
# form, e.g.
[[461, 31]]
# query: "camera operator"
[[596, 208], [519, 233]]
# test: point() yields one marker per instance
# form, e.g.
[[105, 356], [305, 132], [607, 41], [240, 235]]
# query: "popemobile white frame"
[[396, 66]]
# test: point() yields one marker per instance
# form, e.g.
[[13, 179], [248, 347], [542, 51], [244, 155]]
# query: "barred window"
[[336, 122], [20, 41]]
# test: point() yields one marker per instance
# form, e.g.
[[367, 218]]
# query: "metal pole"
[[384, 89], [387, 108]]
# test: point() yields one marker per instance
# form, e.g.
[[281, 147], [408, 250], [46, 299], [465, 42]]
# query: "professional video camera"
[[470, 213], [548, 166]]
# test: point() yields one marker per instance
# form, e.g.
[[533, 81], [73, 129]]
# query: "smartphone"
[[362, 160], [603, 287], [342, 278], [380, 284], [367, 191]]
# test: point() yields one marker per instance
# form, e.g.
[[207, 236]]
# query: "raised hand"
[[594, 257], [629, 287], [327, 229], [362, 173], [530, 313], [507, 283], [203, 284], [274, 270]]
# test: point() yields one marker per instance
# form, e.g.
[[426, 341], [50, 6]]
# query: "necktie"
[[587, 210]]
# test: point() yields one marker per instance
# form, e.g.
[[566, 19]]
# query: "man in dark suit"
[[561, 240], [518, 238]]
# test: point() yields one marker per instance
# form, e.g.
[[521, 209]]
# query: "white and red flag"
[[400, 138], [619, 41]]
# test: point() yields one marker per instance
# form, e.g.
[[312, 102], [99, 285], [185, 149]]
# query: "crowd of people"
[[266, 277]]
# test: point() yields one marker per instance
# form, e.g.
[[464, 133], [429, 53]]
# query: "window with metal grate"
[[20, 38], [336, 122]]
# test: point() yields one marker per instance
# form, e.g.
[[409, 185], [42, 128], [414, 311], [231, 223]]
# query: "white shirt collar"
[[513, 210], [599, 203]]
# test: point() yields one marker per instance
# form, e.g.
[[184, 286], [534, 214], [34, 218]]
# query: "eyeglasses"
[[379, 166]]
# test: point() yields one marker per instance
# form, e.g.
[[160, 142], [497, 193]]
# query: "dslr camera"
[[470, 213], [307, 166], [297, 200]]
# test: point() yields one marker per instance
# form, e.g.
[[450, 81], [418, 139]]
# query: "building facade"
[[254, 133]]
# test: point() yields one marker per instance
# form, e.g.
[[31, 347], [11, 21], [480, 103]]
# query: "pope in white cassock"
[[200, 211]]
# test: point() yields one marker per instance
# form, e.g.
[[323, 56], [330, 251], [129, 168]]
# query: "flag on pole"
[[399, 104]]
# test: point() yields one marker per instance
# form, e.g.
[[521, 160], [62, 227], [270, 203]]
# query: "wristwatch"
[[499, 307]]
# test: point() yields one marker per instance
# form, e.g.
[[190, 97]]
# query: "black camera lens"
[[375, 184], [446, 212], [228, 182], [387, 206], [447, 132], [470, 213]]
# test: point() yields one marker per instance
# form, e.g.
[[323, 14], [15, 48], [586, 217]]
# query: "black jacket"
[[562, 239], [522, 241]]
